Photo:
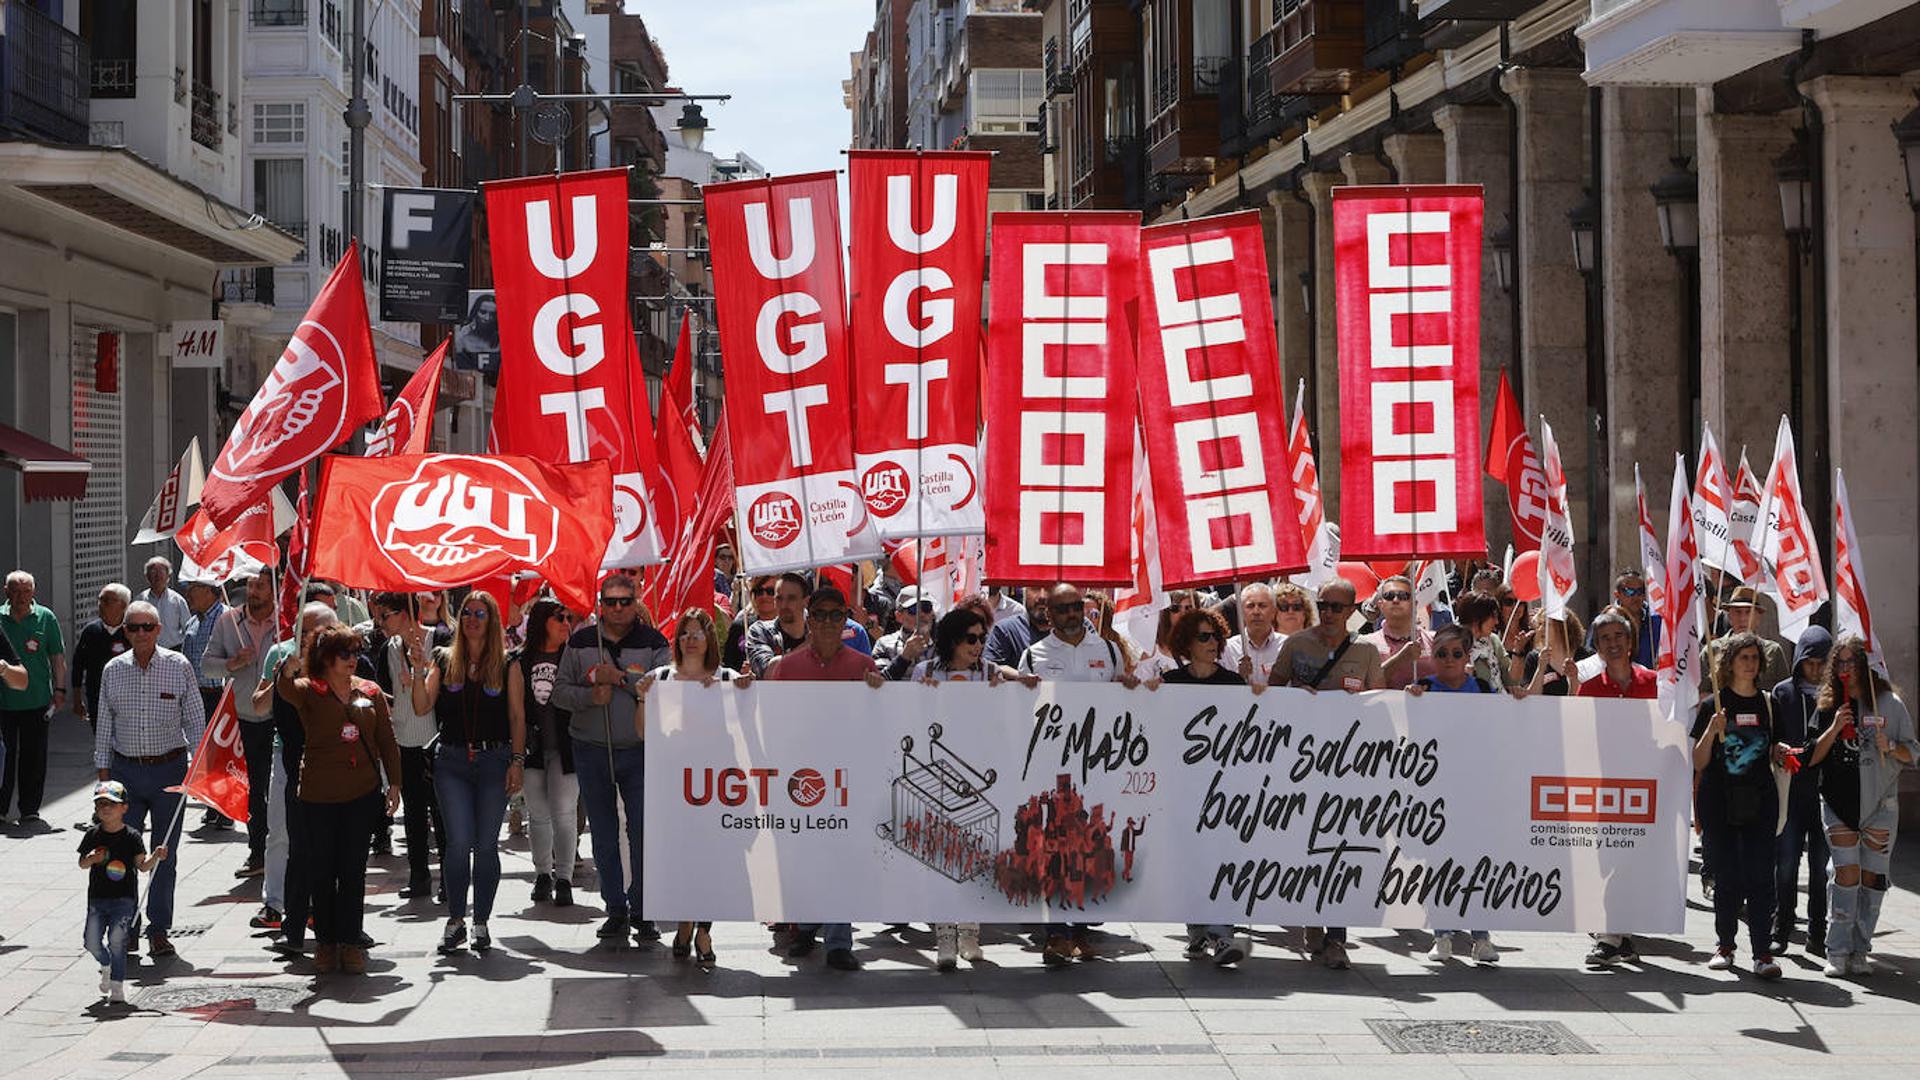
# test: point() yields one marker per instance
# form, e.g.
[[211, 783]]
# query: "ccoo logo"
[[884, 488], [1594, 799], [458, 519], [298, 412], [774, 519]]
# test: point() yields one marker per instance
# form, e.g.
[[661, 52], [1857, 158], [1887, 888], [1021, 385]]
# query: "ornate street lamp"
[[692, 127], [1584, 219], [1676, 197], [1795, 177]]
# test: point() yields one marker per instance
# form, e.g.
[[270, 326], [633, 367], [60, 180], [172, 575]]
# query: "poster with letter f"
[[560, 278], [1209, 376], [1407, 279], [919, 246], [781, 309], [1060, 375]]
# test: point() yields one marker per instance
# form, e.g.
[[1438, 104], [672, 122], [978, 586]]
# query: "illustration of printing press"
[[941, 815]]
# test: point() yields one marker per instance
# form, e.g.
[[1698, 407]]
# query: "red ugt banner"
[[1209, 375], [782, 314], [1060, 375], [560, 271], [1407, 276], [919, 252], [415, 522], [218, 776], [324, 386], [1512, 461]]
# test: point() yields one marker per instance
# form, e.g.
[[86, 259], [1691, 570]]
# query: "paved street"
[[550, 998]]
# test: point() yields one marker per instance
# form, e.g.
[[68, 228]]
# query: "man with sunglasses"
[[1630, 596], [597, 682], [825, 658], [1326, 657], [770, 639], [1407, 646], [1252, 651], [760, 607], [897, 652], [1010, 636], [149, 719]]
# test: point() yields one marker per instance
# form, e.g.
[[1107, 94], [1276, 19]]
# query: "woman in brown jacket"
[[349, 741]]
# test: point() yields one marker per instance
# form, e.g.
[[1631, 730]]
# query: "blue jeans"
[[148, 797], [834, 935], [109, 922], [600, 787], [473, 803]]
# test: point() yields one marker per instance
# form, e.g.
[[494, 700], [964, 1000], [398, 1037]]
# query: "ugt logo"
[[458, 519], [884, 488], [735, 786], [774, 519]]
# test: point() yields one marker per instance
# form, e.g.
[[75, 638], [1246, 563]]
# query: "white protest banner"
[[811, 802]]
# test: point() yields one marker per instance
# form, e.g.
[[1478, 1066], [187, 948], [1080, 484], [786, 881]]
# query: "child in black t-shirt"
[[113, 855]]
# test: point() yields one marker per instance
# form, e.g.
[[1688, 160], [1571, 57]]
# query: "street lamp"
[[1795, 177], [1502, 244], [692, 127], [1676, 197], [1583, 219]]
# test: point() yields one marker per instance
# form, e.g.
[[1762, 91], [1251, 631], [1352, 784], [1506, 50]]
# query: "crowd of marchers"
[[451, 717]]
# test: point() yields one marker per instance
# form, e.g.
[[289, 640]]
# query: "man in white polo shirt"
[[1252, 651]]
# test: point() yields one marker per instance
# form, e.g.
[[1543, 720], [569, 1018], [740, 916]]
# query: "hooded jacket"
[[1793, 705]]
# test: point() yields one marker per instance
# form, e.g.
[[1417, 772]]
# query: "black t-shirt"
[[119, 877], [1736, 787], [1840, 769], [1220, 677], [548, 744], [468, 713]]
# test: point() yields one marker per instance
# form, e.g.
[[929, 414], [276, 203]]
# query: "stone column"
[[1869, 247], [1645, 312], [1744, 306], [1289, 260], [1474, 149], [1419, 157]]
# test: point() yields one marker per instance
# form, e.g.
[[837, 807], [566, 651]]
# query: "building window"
[[330, 23], [280, 194], [280, 122], [279, 12], [1005, 102]]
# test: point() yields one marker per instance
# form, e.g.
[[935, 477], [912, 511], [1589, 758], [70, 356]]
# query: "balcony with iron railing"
[[1319, 45], [206, 116], [253, 285], [1392, 34], [112, 78], [43, 78]]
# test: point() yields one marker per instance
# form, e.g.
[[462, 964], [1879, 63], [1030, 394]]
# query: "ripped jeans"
[[1861, 862]]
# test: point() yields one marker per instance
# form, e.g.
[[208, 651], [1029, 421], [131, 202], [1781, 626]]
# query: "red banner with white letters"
[[1407, 281], [560, 276], [1209, 378], [1060, 374], [919, 245], [218, 775], [780, 306]]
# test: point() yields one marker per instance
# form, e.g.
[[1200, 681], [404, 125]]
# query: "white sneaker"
[[1442, 948], [117, 992], [1860, 964], [1484, 952], [106, 978], [970, 944], [946, 944], [1836, 966], [1722, 960], [1766, 968]]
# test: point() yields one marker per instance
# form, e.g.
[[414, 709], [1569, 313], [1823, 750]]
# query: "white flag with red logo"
[[1743, 516], [780, 305], [1061, 378], [408, 426], [1680, 639], [1783, 542], [918, 253], [1652, 563], [1137, 607], [1322, 537], [1713, 506], [417, 522], [1850, 612], [171, 505], [560, 267], [1223, 501], [324, 387], [1558, 570]]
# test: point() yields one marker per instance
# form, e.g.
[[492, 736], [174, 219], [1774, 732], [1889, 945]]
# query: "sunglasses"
[[142, 627], [1077, 605], [351, 656], [1333, 605], [1294, 607], [693, 633], [830, 615], [974, 638], [1390, 596], [473, 613], [1630, 591], [1450, 654], [616, 601], [765, 590], [1206, 635]]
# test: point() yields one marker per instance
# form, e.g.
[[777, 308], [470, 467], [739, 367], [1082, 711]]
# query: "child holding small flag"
[[112, 853]]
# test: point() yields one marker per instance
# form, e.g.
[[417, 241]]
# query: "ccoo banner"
[[1061, 377], [1222, 491], [1407, 281], [423, 260], [781, 308], [918, 254], [1185, 804]]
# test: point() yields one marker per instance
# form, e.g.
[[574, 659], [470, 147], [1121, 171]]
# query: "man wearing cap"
[[896, 653], [204, 600], [1743, 617], [150, 718]]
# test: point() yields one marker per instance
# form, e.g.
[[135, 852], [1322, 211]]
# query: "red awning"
[[52, 473]]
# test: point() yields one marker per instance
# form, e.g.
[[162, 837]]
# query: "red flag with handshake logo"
[[218, 775], [325, 386], [414, 522]]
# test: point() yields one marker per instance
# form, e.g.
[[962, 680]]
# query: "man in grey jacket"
[[596, 684]]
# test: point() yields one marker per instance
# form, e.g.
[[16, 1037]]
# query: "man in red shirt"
[[825, 658], [1622, 678]]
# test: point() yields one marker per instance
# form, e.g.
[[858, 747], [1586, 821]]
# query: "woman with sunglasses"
[[1866, 739], [696, 658], [761, 605], [348, 739], [552, 791], [1160, 661], [959, 655], [1736, 803], [480, 762], [1292, 609], [1452, 648]]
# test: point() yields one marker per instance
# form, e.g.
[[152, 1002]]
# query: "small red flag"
[[408, 426], [218, 775]]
